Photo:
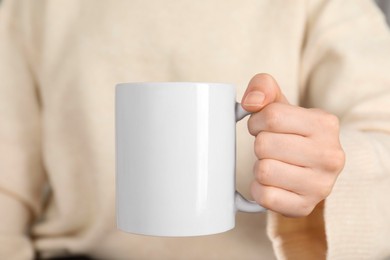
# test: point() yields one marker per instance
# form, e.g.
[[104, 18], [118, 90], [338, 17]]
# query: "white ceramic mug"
[[175, 158]]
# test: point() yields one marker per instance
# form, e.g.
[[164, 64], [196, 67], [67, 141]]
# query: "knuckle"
[[338, 160], [327, 120], [299, 209], [324, 191], [305, 208], [322, 188], [332, 122], [271, 111], [334, 159], [272, 117]]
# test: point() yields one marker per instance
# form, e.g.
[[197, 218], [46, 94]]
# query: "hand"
[[298, 150]]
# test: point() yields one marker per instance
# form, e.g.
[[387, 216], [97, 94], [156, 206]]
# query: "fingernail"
[[254, 98]]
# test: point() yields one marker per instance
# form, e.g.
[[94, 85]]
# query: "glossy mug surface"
[[175, 158]]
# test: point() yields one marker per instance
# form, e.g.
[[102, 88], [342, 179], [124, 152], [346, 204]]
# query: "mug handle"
[[241, 203]]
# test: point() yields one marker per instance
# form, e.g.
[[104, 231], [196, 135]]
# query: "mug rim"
[[174, 83]]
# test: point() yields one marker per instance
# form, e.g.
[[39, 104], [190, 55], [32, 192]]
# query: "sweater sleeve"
[[21, 171], [346, 71]]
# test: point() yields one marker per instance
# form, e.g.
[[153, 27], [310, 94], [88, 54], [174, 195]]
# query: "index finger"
[[283, 118]]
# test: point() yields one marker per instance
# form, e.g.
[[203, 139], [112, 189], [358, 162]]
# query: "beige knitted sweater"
[[60, 60]]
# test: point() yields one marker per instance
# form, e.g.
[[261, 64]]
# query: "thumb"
[[261, 91]]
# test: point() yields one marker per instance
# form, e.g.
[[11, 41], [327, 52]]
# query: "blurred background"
[[383, 4]]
